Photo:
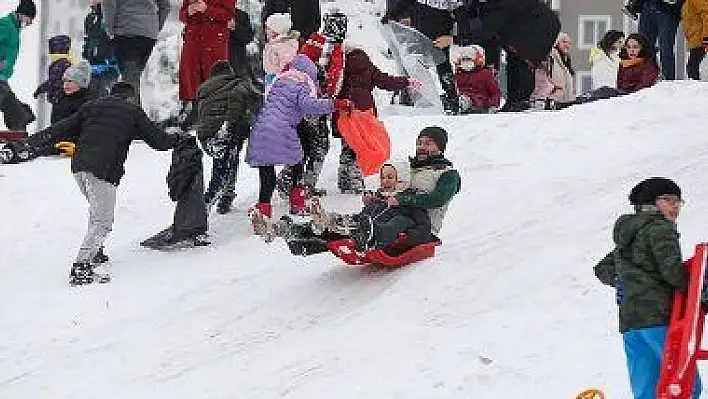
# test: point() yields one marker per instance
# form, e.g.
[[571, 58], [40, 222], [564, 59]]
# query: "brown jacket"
[[694, 15]]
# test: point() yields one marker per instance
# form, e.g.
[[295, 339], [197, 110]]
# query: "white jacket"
[[604, 68], [562, 79]]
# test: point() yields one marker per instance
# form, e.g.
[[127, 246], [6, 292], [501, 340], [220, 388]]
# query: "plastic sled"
[[12, 135], [345, 249], [367, 136]]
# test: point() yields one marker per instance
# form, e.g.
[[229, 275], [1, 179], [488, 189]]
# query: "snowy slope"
[[508, 307]]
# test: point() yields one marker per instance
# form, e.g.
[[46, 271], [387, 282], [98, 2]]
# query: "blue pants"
[[644, 348], [657, 24]]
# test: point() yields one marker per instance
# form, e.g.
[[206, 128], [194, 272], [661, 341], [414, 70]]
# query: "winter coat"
[[97, 49], [186, 165], [433, 184], [562, 79], [604, 68], [209, 26], [239, 38], [9, 44], [274, 139], [305, 14], [431, 18], [480, 86], [528, 28], [646, 267], [278, 52], [54, 85], [132, 18], [695, 22], [223, 98], [637, 74], [103, 130], [69, 104], [361, 76], [543, 86]]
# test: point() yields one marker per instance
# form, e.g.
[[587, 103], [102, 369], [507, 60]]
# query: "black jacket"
[[239, 37], [186, 165], [527, 28], [430, 21], [103, 130], [305, 14], [97, 47], [70, 104]]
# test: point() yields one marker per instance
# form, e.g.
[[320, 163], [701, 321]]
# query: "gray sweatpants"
[[101, 197]]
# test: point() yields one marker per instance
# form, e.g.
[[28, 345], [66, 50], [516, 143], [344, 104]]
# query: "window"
[[591, 29], [583, 82]]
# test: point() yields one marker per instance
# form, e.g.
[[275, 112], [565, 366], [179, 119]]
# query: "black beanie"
[[27, 8], [437, 134], [647, 191]]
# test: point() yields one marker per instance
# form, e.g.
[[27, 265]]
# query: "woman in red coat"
[[205, 41]]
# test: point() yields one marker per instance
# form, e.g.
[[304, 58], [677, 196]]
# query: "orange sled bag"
[[367, 136]]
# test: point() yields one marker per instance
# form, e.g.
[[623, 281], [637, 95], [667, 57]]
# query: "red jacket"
[[637, 74], [212, 24], [360, 78], [480, 85]]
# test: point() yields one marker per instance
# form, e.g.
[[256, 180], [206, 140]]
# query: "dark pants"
[[695, 57], [520, 79], [446, 76], [17, 115], [190, 218], [133, 54], [266, 174], [656, 24], [314, 139], [389, 223]]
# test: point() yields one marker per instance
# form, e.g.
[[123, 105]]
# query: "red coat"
[[360, 78], [480, 85], [637, 74], [210, 24]]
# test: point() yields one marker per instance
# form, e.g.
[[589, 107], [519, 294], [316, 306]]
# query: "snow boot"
[[225, 204], [100, 257], [297, 200], [84, 273], [260, 216]]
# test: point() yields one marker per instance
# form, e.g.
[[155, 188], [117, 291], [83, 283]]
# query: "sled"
[[367, 136], [345, 249], [683, 339], [12, 135]]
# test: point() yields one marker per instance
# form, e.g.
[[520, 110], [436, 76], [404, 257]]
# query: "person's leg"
[[266, 174], [447, 81], [667, 25], [319, 147], [101, 197], [190, 217], [643, 349], [349, 179], [648, 22], [695, 57]]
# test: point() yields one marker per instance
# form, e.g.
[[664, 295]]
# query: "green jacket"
[[9, 44], [647, 268]]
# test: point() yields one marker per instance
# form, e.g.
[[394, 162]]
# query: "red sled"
[[683, 339], [345, 249], [12, 135]]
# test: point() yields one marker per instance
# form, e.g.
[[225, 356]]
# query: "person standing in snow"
[[98, 51], [102, 130], [133, 26], [695, 25], [659, 21], [305, 14], [17, 115], [645, 268], [204, 43], [281, 46], [605, 60]]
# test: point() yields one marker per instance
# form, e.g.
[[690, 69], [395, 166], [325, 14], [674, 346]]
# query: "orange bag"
[[367, 136]]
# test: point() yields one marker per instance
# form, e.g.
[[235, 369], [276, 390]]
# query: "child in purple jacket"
[[59, 54], [274, 139]]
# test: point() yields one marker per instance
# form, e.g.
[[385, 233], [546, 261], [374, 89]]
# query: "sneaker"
[[84, 273], [100, 257], [225, 204], [364, 232]]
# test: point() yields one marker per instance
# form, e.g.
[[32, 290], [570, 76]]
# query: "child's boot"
[[83, 273], [260, 216], [297, 200]]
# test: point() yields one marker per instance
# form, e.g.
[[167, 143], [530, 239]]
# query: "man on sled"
[[394, 228]]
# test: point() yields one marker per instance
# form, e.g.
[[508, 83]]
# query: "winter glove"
[[343, 105], [415, 84], [67, 148]]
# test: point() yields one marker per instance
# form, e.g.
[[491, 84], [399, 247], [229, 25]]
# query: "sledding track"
[[507, 308]]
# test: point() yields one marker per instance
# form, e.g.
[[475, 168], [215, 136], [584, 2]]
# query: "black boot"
[[84, 273], [100, 257]]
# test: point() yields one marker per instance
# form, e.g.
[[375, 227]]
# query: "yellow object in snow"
[[592, 393], [66, 147]]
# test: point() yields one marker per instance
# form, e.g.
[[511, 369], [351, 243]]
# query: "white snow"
[[508, 308]]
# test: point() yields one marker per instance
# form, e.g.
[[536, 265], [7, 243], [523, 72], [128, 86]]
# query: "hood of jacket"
[[628, 226]]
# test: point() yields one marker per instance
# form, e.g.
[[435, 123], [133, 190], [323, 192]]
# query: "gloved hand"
[[67, 148], [343, 104], [414, 84]]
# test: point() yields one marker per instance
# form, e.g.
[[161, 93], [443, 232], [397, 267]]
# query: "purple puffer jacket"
[[274, 139]]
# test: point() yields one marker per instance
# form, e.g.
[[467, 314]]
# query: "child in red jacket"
[[476, 84]]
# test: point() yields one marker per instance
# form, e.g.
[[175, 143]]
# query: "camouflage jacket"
[[646, 266]]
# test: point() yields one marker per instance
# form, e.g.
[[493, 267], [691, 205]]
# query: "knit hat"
[[312, 48], [335, 26], [79, 73], [647, 191], [437, 134], [280, 23], [221, 68], [59, 44], [27, 8]]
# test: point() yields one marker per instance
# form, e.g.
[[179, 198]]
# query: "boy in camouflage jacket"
[[646, 268]]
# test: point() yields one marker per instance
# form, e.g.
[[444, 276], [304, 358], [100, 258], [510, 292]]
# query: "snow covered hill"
[[509, 307]]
